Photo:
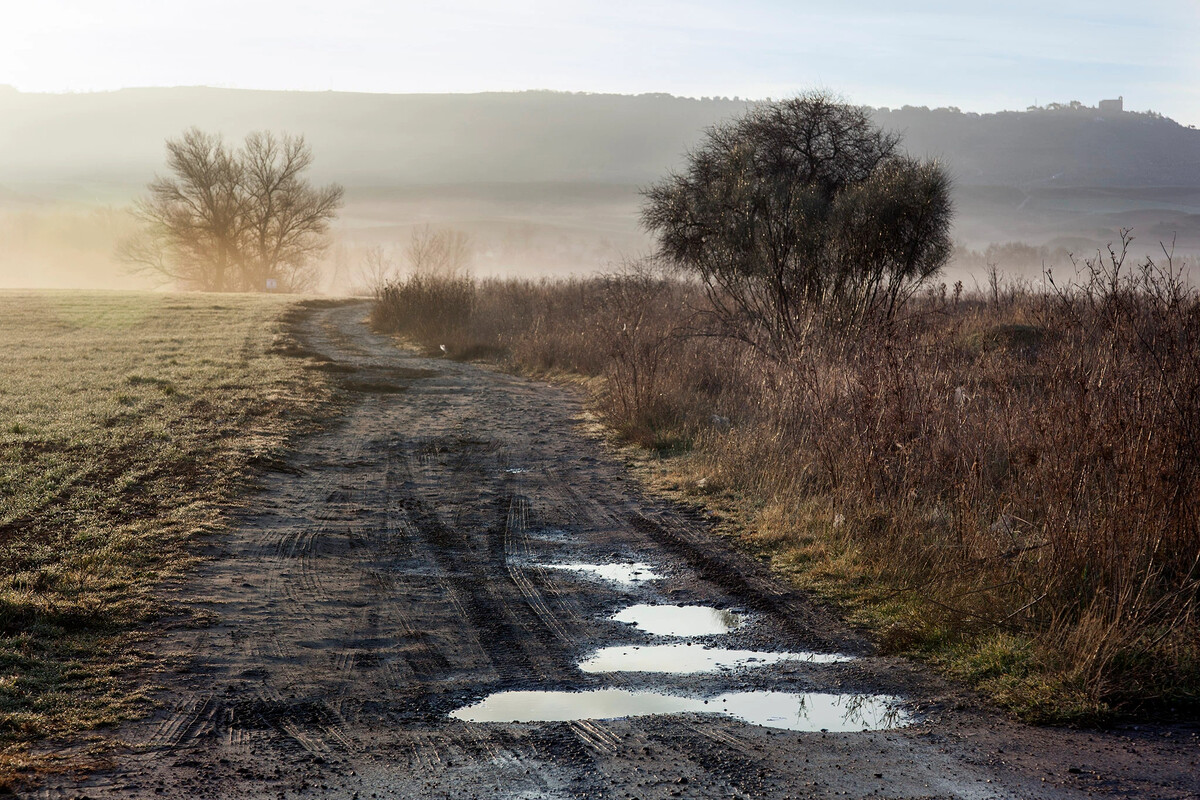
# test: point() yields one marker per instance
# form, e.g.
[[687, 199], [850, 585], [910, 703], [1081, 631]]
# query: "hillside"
[[361, 139], [1053, 147], [115, 138]]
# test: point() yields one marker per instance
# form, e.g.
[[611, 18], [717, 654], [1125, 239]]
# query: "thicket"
[[1007, 481]]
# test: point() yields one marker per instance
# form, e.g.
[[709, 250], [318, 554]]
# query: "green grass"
[[130, 423]]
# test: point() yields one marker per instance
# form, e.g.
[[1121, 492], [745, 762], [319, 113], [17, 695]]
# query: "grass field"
[[130, 423]]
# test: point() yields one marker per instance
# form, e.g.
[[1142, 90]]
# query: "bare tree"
[[286, 218], [228, 220], [446, 253], [194, 220], [377, 269]]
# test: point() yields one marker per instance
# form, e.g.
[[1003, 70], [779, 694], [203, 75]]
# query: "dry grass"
[[1007, 484], [129, 425]]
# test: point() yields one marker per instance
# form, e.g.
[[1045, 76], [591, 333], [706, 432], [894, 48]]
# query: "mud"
[[390, 573]]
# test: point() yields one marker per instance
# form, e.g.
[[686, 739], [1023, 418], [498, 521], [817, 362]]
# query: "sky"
[[977, 56]]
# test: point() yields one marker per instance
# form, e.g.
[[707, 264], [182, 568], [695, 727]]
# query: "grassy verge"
[[130, 424], [1007, 486]]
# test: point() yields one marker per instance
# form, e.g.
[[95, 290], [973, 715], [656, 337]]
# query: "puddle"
[[794, 712], [689, 659], [815, 711], [669, 620], [623, 574]]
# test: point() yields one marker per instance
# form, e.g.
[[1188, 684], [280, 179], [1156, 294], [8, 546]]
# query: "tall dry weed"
[[1019, 464]]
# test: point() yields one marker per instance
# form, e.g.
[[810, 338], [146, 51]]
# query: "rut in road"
[[399, 569]]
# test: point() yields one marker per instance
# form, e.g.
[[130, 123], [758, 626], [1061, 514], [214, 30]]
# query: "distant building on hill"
[[1112, 106]]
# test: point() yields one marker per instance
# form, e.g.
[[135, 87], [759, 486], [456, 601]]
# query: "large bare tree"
[[226, 220]]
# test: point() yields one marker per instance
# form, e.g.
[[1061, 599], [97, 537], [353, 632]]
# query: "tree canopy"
[[235, 220], [798, 204]]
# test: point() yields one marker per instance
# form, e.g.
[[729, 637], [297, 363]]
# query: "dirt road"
[[424, 553]]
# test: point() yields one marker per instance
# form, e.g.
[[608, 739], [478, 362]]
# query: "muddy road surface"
[[448, 557]]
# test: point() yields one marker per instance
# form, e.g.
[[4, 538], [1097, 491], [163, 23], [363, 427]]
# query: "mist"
[[548, 183]]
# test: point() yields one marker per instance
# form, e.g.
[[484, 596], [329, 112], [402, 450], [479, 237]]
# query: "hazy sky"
[[979, 56]]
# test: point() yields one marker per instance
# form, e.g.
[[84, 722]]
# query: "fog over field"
[[548, 182]]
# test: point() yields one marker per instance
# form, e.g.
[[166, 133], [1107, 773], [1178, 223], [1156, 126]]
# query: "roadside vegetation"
[[130, 425], [1004, 482]]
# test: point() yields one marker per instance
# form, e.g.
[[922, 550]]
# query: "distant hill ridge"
[[114, 139]]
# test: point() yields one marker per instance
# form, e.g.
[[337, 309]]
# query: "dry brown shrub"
[[1016, 463]]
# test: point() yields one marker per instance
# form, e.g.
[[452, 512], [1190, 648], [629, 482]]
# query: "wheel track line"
[[236, 736], [301, 545], [182, 717], [515, 544], [337, 492], [485, 741], [401, 472], [338, 730], [585, 510], [591, 733], [416, 759], [720, 737], [398, 529], [203, 719], [462, 491], [298, 733], [594, 737], [428, 751], [471, 587], [515, 527]]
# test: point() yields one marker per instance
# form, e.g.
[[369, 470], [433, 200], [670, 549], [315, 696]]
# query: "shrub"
[[428, 307]]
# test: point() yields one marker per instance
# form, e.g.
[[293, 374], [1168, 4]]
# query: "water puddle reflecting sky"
[[621, 574], [668, 620], [689, 659], [812, 711]]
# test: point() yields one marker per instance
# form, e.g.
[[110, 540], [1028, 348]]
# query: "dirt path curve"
[[399, 571]]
